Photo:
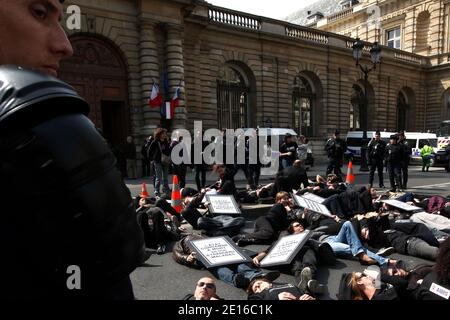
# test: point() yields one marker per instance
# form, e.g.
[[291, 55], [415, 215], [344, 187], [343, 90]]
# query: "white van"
[[354, 141], [416, 141]]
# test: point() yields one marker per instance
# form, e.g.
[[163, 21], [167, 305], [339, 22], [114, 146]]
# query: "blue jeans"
[[221, 223], [286, 163], [228, 273], [407, 197], [162, 174], [346, 243]]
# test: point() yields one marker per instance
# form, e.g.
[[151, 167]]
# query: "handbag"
[[165, 160]]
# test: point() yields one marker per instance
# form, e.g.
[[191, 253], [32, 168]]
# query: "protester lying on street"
[[408, 238], [436, 285], [347, 243], [225, 185], [204, 290], [261, 195], [213, 225], [238, 275], [304, 265], [156, 224], [362, 286], [267, 228], [264, 289], [291, 178]]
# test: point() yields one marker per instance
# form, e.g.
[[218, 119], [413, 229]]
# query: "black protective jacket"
[[63, 203]]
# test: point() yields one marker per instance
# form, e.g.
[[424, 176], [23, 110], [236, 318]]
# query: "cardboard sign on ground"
[[401, 205], [223, 204], [285, 249], [312, 205], [218, 251]]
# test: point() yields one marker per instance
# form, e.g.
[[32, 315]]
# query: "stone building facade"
[[239, 70]]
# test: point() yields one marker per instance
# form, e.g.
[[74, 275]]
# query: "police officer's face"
[[377, 137], [31, 35]]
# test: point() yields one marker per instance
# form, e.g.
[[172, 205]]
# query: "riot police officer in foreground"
[[335, 148], [406, 157], [375, 154], [394, 156], [68, 227]]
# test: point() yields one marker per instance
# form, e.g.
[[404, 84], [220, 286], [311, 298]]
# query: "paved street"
[[162, 278]]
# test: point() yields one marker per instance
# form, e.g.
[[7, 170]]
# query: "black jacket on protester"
[[78, 212], [154, 151], [278, 217], [424, 293], [191, 213]]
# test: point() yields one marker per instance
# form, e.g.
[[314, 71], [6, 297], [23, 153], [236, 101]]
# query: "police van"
[[416, 141], [354, 141]]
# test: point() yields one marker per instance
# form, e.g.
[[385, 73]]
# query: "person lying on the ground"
[[205, 289], [213, 225], [362, 286], [261, 194], [346, 204], [408, 238], [267, 228], [291, 178], [347, 243], [238, 275], [264, 289], [163, 229], [225, 185], [436, 284], [319, 190], [319, 222], [304, 265]]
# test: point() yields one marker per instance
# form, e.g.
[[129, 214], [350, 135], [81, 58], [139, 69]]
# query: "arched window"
[[303, 98], [232, 98], [402, 111], [422, 33]]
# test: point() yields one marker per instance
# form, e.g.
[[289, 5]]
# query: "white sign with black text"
[[285, 249], [222, 204], [312, 205], [401, 205], [218, 251]]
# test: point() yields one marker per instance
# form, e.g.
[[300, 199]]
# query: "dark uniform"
[[405, 162], [394, 156], [77, 213], [335, 148], [375, 155]]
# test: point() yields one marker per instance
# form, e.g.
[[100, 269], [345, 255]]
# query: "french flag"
[[175, 102], [156, 99]]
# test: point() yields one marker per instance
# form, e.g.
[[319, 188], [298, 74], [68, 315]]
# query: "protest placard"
[[285, 249], [312, 206], [401, 205], [223, 204], [218, 251]]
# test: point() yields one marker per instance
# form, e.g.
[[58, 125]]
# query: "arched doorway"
[[98, 72], [362, 102], [235, 95], [406, 102], [445, 113], [402, 110], [303, 100], [306, 103]]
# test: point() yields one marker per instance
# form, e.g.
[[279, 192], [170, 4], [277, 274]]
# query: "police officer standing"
[[407, 157], [394, 156], [335, 148], [375, 154]]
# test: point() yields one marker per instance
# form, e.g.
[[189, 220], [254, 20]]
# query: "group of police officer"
[[395, 155]]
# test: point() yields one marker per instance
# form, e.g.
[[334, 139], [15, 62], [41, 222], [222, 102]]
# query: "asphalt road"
[[160, 278]]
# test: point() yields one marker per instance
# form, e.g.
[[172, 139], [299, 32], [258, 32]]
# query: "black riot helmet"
[[34, 95]]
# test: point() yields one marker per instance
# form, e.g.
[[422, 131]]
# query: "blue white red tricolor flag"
[[156, 99]]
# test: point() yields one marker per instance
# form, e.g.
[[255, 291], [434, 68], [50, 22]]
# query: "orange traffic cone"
[[144, 193], [176, 195], [350, 180]]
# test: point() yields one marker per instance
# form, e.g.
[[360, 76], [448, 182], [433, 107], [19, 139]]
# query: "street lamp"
[[375, 55]]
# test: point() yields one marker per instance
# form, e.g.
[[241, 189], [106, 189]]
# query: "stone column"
[[175, 71], [149, 65]]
